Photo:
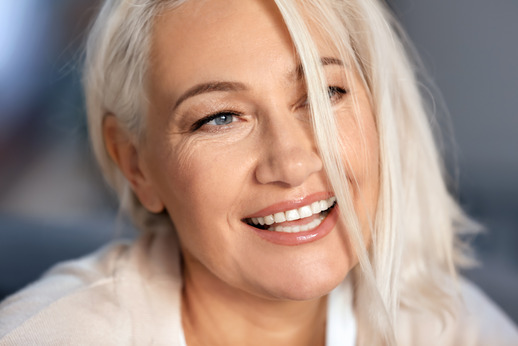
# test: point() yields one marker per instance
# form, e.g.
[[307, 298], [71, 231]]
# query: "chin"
[[301, 287]]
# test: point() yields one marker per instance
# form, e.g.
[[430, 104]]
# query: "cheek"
[[203, 181], [195, 197], [367, 196], [371, 168], [205, 184], [360, 145]]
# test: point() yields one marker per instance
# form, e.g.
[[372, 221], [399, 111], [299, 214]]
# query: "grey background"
[[470, 48], [54, 205]]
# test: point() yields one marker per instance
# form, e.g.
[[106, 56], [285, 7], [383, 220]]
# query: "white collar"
[[341, 323]]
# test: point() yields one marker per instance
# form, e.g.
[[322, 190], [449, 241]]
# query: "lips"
[[301, 219]]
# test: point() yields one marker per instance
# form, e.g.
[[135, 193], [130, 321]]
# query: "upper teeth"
[[295, 214]]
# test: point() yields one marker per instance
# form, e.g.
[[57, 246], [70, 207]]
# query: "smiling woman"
[[278, 159]]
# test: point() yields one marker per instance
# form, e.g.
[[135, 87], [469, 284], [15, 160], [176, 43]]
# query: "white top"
[[129, 294], [341, 324]]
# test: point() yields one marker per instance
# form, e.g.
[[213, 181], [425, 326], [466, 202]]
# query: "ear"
[[124, 153]]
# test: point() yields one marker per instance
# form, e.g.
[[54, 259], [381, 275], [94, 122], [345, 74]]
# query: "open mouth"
[[301, 219]]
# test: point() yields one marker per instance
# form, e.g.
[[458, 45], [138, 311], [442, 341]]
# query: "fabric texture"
[[128, 293]]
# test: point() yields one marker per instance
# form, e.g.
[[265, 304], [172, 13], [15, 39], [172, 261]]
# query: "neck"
[[222, 315]]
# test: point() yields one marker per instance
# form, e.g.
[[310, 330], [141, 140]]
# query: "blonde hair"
[[416, 244]]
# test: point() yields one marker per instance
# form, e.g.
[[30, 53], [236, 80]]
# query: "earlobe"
[[124, 153]]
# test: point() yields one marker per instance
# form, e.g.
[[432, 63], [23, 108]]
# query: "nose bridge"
[[289, 155]]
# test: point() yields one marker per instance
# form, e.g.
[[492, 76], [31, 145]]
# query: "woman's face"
[[229, 143]]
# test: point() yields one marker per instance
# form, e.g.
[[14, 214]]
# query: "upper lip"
[[291, 204]]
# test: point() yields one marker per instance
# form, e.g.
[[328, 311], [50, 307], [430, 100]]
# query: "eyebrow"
[[209, 87], [299, 71], [237, 86]]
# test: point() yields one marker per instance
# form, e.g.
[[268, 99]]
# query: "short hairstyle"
[[416, 233]]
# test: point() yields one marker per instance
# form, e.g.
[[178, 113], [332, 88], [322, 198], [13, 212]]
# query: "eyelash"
[[332, 91], [199, 123], [337, 90]]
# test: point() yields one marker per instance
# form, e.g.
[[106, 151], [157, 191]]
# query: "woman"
[[278, 159]]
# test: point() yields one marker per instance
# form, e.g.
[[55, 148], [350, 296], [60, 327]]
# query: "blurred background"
[[54, 204]]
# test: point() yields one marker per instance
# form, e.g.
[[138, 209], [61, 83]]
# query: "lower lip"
[[291, 239]]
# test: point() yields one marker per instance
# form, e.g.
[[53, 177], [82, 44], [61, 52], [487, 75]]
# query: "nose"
[[289, 155]]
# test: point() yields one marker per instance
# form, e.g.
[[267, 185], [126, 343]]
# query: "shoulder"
[[126, 293], [74, 296], [476, 320]]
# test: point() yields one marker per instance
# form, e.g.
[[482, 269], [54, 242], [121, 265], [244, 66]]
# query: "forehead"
[[215, 33], [219, 39]]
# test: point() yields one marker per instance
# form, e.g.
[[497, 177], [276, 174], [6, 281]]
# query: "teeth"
[[269, 220], [295, 229], [292, 215], [323, 205], [315, 207], [279, 217], [305, 211], [295, 214]]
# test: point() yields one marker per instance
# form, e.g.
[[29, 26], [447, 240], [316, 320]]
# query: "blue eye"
[[221, 119], [218, 119]]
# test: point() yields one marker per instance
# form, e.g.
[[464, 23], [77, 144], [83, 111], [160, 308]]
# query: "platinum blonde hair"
[[416, 244]]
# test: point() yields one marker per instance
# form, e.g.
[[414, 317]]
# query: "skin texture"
[[239, 288]]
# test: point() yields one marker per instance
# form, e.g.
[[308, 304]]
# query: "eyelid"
[[341, 91], [204, 120]]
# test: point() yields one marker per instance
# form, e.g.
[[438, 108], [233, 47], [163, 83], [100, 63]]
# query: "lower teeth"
[[302, 228]]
